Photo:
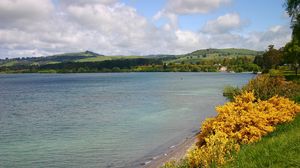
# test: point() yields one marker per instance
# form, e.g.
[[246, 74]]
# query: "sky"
[[31, 28]]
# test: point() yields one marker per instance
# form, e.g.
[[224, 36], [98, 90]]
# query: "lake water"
[[102, 120]]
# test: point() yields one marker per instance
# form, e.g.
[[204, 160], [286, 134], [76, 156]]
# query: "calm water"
[[102, 120]]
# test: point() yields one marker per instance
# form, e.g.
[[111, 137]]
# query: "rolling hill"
[[89, 56], [212, 53], [53, 59]]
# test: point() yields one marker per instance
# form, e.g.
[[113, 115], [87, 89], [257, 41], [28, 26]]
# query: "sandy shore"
[[174, 153]]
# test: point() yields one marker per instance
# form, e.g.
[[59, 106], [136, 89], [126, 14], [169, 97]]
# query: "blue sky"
[[139, 27], [261, 14]]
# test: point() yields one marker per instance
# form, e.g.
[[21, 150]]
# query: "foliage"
[[280, 148], [104, 58], [173, 164], [243, 121], [292, 49], [293, 9], [207, 64], [258, 60], [222, 52], [67, 57], [216, 151], [292, 54], [208, 60], [230, 92], [119, 65], [171, 67], [272, 58], [275, 72], [266, 86], [214, 56], [294, 78]]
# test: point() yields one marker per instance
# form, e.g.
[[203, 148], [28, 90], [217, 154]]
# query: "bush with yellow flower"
[[242, 121]]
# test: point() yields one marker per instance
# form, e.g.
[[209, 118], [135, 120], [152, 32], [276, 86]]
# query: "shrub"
[[230, 92], [174, 164], [294, 78], [243, 121], [216, 151], [274, 72], [266, 86]]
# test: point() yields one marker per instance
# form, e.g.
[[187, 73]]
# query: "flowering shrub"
[[216, 151], [243, 121]]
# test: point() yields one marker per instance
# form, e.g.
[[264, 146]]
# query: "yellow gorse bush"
[[243, 121], [217, 151]]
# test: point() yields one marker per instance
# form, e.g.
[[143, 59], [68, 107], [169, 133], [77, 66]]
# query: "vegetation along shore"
[[206, 60]]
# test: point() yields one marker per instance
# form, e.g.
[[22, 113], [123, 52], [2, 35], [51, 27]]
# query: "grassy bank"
[[280, 148]]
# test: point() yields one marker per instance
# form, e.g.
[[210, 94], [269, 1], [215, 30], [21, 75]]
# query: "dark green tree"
[[165, 66], [292, 54], [293, 9], [292, 49], [258, 60], [272, 58]]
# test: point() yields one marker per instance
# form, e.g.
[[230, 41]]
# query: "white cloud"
[[189, 41], [38, 27], [84, 2], [20, 12], [110, 20], [253, 40], [277, 35], [120, 25], [275, 29], [172, 19], [223, 24], [194, 6], [174, 8]]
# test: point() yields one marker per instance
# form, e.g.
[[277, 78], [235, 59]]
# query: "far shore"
[[13, 72]]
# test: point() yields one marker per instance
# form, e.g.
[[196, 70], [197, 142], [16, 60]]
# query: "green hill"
[[53, 59], [79, 54], [224, 52], [88, 56], [104, 58], [212, 53]]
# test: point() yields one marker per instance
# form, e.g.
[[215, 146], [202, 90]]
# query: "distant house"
[[223, 69]]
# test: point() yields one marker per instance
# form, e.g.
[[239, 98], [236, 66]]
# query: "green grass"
[[280, 148], [85, 54], [226, 51], [293, 77], [9, 63], [103, 58], [209, 57]]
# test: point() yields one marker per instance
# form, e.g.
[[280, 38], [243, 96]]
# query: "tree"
[[292, 54], [272, 58], [293, 9], [258, 60], [165, 66], [292, 49]]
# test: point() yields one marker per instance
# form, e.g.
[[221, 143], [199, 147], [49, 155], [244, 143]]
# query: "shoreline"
[[244, 72], [175, 152]]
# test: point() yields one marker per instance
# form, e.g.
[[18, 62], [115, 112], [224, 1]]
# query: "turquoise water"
[[102, 120]]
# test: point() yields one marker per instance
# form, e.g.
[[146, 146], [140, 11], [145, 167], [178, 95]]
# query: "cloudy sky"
[[139, 27]]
